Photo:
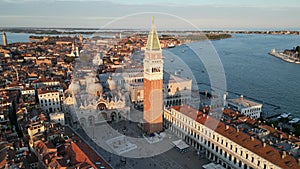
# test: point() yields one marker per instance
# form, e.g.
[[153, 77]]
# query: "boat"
[[171, 45], [284, 115], [294, 120]]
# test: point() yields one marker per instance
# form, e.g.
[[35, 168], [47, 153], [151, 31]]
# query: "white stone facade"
[[58, 117], [212, 144], [245, 107], [50, 101]]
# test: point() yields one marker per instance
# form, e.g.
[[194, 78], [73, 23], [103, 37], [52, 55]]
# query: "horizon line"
[[161, 29]]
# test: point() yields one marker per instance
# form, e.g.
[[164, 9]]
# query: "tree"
[[298, 50], [69, 59], [297, 129], [39, 49]]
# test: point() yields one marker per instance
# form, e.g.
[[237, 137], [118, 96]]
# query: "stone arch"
[[113, 116], [82, 122], [91, 121], [102, 116], [102, 106], [120, 115]]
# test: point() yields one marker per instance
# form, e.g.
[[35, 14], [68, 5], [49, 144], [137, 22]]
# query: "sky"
[[169, 14]]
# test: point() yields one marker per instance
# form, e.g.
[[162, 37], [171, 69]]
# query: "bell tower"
[[153, 83], [4, 39]]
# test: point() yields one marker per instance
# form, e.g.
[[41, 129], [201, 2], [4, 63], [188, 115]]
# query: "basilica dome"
[[74, 87], [94, 88], [111, 83]]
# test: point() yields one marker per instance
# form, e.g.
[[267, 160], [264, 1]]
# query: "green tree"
[[298, 50], [69, 59], [297, 129]]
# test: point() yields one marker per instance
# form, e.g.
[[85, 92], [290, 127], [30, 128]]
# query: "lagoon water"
[[249, 69]]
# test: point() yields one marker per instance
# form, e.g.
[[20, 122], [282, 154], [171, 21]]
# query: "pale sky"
[[169, 14]]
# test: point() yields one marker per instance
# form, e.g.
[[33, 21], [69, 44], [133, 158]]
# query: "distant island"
[[167, 41], [89, 31], [288, 55]]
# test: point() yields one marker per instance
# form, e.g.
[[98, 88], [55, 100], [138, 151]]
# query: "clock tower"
[[153, 83]]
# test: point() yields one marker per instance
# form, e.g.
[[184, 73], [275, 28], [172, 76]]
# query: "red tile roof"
[[2, 158], [46, 91], [86, 152], [42, 80], [268, 152]]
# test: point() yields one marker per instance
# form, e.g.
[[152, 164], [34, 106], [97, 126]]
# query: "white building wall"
[[206, 137], [30, 92], [58, 118], [251, 111], [50, 102]]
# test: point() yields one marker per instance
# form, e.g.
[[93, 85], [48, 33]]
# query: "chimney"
[[283, 154], [227, 127], [298, 161], [263, 142], [237, 129], [252, 138], [281, 136], [46, 161]]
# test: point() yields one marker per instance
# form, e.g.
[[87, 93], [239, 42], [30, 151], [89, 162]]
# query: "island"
[[288, 55]]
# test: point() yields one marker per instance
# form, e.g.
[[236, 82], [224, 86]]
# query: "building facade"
[[49, 100], [58, 117], [89, 107], [245, 107], [223, 143]]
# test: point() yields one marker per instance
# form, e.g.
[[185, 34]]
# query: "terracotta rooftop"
[[268, 152], [86, 150], [46, 91], [278, 133], [2, 158], [42, 80]]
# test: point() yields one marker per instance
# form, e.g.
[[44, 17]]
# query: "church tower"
[[153, 83], [4, 39], [81, 38]]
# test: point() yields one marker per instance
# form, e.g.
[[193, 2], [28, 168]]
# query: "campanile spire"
[[153, 41], [153, 83]]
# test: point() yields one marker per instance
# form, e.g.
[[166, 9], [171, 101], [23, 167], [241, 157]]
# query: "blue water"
[[249, 69]]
